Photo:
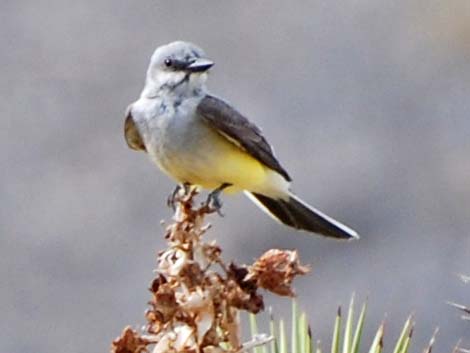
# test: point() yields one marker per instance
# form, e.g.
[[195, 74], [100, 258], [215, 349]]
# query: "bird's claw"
[[175, 195], [213, 202], [171, 200]]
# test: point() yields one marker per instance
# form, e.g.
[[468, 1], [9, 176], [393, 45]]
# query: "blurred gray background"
[[366, 102]]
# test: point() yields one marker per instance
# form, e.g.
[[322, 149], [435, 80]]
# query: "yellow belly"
[[236, 167], [217, 161]]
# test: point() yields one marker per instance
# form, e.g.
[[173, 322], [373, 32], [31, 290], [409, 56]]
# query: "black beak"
[[200, 65]]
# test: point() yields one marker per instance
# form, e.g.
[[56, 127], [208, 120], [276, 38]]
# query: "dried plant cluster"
[[196, 296]]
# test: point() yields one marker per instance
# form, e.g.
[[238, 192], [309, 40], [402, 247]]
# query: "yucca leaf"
[[348, 328], [404, 333], [310, 345], [303, 333], [318, 350], [431, 341], [335, 341], [459, 306], [282, 337], [254, 330], [377, 343], [272, 331], [381, 344], [359, 327], [295, 328], [457, 346], [406, 344]]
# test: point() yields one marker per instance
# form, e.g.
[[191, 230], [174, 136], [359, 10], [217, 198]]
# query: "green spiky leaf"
[[335, 341], [347, 338], [300, 340], [359, 327]]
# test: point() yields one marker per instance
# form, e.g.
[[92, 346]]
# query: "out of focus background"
[[366, 102]]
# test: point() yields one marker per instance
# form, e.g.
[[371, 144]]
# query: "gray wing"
[[131, 134], [238, 130]]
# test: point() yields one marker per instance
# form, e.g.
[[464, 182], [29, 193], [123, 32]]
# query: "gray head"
[[178, 68]]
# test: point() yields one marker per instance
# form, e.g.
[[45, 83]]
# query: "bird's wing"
[[238, 130], [131, 133]]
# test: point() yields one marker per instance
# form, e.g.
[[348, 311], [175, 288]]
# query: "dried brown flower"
[[275, 271], [130, 342], [241, 291], [163, 306]]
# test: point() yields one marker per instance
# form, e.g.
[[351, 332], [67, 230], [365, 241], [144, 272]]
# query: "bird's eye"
[[168, 62]]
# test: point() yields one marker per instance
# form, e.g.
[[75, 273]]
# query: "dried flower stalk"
[[196, 297]]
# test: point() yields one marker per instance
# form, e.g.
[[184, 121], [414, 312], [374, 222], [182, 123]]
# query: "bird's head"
[[179, 68]]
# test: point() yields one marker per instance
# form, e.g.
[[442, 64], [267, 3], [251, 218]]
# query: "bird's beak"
[[200, 65]]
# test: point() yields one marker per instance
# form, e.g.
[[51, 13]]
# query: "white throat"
[[174, 85]]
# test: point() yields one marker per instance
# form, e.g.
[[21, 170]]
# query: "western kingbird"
[[199, 139]]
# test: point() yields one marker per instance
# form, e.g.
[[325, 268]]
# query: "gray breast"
[[174, 133]]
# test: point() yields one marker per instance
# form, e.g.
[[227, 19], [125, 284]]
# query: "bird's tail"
[[295, 213]]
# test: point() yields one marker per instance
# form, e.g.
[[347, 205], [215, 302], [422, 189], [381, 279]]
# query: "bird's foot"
[[171, 200], [213, 202], [174, 196]]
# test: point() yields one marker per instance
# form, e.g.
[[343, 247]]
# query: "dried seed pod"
[[130, 342], [275, 271]]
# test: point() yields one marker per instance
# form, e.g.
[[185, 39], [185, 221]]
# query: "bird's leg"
[[172, 198], [213, 199], [186, 187]]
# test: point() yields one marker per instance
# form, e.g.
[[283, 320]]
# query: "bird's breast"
[[169, 133]]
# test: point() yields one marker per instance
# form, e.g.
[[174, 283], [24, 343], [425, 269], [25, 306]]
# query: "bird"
[[199, 139]]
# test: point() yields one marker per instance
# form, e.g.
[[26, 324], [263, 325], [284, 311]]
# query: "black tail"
[[297, 214]]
